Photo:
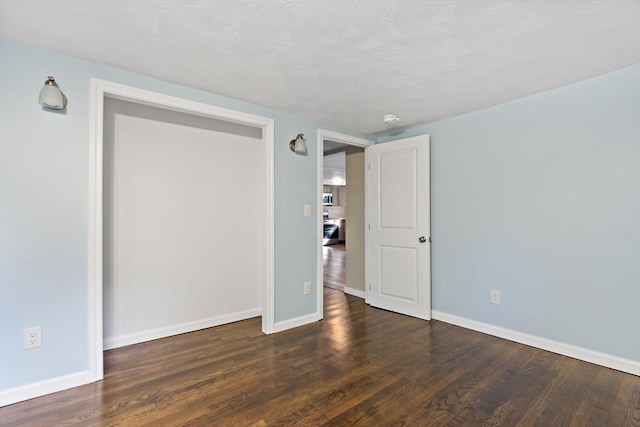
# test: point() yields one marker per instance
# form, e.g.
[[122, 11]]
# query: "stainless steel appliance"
[[331, 232]]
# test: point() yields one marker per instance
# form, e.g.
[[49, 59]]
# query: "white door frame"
[[345, 139], [101, 89]]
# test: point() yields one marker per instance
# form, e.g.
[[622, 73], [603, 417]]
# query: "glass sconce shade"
[[51, 96], [298, 145]]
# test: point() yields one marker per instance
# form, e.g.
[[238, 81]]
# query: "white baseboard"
[[355, 292], [602, 359], [41, 388], [154, 334], [295, 322]]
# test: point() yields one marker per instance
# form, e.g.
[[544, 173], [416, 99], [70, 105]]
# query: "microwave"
[[327, 199]]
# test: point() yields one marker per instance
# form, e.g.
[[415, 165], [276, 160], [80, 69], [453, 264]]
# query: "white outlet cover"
[[32, 337], [495, 297]]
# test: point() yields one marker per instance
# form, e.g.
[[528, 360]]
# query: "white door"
[[398, 246]]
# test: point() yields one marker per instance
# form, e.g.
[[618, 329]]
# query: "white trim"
[[355, 292], [602, 359], [297, 321], [101, 89], [367, 255], [154, 334], [320, 226], [95, 313], [268, 290], [345, 139], [41, 388]]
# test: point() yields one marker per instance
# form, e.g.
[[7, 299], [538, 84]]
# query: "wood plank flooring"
[[334, 263], [359, 366]]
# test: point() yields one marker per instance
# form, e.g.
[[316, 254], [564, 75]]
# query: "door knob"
[[422, 239]]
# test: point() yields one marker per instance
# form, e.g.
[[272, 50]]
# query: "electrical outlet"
[[307, 210], [32, 337], [495, 297], [307, 288]]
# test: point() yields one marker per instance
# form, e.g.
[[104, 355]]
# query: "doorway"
[[99, 91], [182, 236], [335, 259]]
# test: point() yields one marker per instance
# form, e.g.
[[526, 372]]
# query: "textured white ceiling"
[[344, 62]]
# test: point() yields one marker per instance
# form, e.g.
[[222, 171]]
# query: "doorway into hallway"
[[340, 266]]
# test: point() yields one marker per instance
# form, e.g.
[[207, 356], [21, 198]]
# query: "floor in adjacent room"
[[334, 265]]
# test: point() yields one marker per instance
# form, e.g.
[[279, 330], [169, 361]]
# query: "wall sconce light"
[[51, 96], [298, 145]]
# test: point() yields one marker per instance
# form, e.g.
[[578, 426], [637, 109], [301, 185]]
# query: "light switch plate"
[[307, 210]]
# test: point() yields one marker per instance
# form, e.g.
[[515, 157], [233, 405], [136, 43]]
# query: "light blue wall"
[[540, 198], [44, 207]]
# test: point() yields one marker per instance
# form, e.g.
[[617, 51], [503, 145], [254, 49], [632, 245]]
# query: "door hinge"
[[369, 286], [369, 166], [430, 239]]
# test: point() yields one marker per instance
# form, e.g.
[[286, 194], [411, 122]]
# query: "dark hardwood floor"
[[334, 264], [359, 366]]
